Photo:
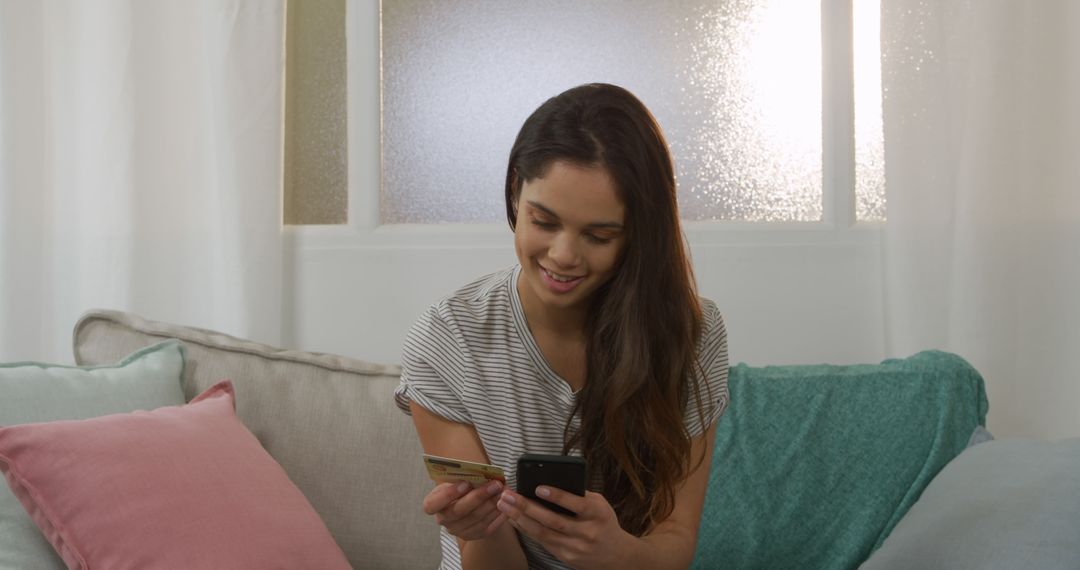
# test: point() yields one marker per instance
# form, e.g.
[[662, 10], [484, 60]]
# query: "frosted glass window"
[[316, 158], [735, 84], [869, 135]]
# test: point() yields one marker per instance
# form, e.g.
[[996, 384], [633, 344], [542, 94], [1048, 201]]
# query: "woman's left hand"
[[592, 539]]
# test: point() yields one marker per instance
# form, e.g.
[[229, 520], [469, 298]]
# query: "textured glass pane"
[[735, 84], [869, 137], [316, 172]]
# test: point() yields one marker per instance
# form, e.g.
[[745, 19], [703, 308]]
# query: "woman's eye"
[[597, 239], [543, 225]]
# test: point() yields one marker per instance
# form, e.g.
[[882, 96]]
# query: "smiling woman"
[[574, 237], [595, 345]]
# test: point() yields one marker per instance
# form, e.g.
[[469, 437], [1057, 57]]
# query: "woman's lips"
[[559, 286]]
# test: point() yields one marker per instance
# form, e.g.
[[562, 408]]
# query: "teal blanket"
[[814, 465]]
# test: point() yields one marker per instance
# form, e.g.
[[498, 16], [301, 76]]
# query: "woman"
[[595, 344]]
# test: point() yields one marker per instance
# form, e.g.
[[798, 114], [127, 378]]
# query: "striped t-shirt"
[[472, 359]]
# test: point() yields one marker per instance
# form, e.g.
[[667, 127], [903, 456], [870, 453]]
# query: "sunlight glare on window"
[[736, 85], [869, 134], [756, 151]]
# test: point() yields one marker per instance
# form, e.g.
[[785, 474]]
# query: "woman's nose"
[[563, 251]]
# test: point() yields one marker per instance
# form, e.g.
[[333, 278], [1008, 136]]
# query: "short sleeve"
[[713, 357], [433, 368]]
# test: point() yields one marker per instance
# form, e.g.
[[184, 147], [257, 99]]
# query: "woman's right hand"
[[468, 513]]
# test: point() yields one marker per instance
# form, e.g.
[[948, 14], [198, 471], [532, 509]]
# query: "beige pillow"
[[330, 422]]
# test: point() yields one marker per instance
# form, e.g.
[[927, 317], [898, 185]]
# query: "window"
[[869, 135], [737, 85], [315, 157]]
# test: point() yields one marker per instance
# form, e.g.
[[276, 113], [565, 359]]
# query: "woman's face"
[[569, 234]]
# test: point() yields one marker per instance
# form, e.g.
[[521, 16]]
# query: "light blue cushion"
[[1001, 504], [980, 435], [33, 392]]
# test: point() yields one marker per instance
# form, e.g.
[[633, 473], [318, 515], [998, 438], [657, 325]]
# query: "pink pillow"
[[178, 487]]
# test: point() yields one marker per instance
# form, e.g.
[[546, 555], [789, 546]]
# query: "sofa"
[[816, 466]]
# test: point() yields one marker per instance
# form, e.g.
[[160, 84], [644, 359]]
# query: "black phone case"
[[560, 471]]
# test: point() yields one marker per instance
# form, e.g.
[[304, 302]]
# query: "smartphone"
[[560, 471]]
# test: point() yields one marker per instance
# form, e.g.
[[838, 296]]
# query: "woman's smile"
[[558, 283]]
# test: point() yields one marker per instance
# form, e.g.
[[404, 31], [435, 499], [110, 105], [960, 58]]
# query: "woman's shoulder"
[[713, 330], [710, 314], [476, 300], [713, 357]]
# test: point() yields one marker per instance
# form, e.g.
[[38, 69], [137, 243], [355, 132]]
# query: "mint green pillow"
[[32, 392], [814, 465]]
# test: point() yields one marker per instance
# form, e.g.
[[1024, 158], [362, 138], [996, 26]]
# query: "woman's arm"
[[671, 544], [594, 540], [487, 542]]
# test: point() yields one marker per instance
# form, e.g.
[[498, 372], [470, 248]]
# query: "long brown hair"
[[644, 324]]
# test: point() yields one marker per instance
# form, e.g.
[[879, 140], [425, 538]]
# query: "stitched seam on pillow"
[[147, 328], [127, 361], [60, 530]]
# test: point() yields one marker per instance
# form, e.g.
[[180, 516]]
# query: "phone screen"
[[560, 471]]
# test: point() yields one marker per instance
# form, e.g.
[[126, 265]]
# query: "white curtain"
[[982, 246], [140, 166]]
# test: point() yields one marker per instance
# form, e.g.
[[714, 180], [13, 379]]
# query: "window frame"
[[363, 228]]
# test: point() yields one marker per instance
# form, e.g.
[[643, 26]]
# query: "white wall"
[[783, 303], [794, 294]]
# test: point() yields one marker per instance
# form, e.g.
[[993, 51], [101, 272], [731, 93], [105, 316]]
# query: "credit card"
[[446, 470]]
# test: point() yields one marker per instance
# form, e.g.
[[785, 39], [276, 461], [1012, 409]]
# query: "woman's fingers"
[[467, 516], [443, 495], [565, 499], [460, 498], [479, 498], [499, 519], [533, 519], [593, 536], [477, 527], [465, 511]]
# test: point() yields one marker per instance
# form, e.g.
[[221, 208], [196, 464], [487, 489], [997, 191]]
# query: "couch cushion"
[[177, 487], [1000, 505], [329, 421], [37, 392], [814, 465]]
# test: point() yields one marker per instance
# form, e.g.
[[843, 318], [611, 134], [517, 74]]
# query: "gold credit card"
[[446, 470]]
